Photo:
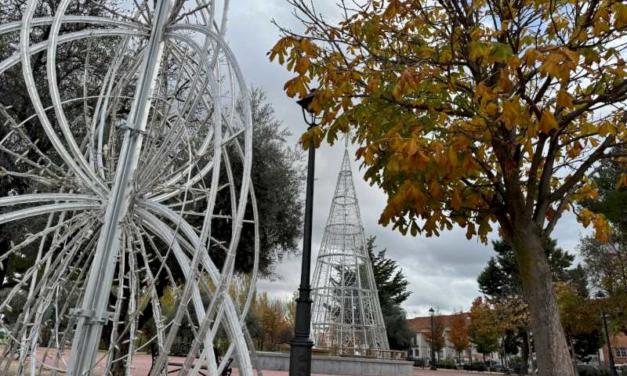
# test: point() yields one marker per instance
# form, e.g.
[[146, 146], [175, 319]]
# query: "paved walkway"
[[448, 372], [142, 362], [141, 366]]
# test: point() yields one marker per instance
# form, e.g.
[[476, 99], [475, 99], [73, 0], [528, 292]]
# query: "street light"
[[301, 344], [613, 372], [432, 313]]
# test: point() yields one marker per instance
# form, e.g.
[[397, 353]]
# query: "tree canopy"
[[277, 172], [472, 113], [464, 107]]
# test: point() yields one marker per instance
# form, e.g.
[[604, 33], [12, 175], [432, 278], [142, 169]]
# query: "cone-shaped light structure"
[[346, 315]]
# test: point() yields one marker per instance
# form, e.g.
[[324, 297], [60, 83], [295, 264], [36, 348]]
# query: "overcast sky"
[[442, 271]]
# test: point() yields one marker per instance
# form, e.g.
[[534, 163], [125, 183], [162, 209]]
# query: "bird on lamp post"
[[301, 344], [432, 314]]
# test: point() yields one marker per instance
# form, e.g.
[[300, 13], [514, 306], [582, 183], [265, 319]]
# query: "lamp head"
[[308, 114], [305, 101], [431, 311]]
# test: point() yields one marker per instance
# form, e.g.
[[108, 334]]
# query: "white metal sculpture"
[[130, 190], [346, 316]]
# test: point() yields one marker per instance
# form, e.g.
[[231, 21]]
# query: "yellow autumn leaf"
[[434, 189], [392, 9], [452, 156], [491, 109], [531, 56], [411, 147], [564, 99], [470, 231], [307, 46], [585, 217], [552, 66], [547, 122], [601, 228], [296, 85], [620, 21], [511, 112], [302, 64], [456, 200]]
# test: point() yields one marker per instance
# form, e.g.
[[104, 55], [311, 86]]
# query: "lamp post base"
[[300, 357]]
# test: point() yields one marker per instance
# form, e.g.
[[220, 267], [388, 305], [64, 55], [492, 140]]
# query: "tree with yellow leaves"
[[581, 318], [484, 329], [436, 338], [458, 334], [272, 317], [474, 113]]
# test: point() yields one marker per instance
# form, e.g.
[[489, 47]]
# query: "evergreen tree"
[[606, 263], [611, 199], [392, 287]]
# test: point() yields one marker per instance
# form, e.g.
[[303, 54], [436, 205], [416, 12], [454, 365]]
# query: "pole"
[[433, 367], [609, 346], [301, 344], [92, 314]]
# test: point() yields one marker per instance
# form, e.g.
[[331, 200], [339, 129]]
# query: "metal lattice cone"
[[346, 315]]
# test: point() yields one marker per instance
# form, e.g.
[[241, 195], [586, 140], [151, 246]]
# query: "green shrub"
[[447, 364], [588, 370], [475, 366], [419, 362]]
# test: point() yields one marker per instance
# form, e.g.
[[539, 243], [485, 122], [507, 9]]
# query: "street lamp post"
[[613, 372], [432, 313], [301, 344]]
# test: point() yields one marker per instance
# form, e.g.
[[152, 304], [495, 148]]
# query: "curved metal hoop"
[[146, 177]]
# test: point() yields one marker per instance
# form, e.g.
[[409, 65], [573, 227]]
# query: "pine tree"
[[392, 288]]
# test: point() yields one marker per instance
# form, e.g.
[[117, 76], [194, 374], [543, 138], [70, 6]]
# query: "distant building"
[[619, 350], [421, 348]]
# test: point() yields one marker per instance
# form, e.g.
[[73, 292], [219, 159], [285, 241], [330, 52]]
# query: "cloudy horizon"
[[442, 271]]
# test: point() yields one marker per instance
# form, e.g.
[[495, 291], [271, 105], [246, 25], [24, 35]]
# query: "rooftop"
[[423, 323]]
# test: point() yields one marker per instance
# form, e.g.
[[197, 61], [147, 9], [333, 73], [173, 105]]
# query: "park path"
[[141, 366], [450, 372], [142, 362]]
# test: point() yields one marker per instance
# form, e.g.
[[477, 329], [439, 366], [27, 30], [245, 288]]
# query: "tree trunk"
[[524, 353], [552, 353], [573, 355]]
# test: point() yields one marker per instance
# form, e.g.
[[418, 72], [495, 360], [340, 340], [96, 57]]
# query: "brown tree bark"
[[550, 344]]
